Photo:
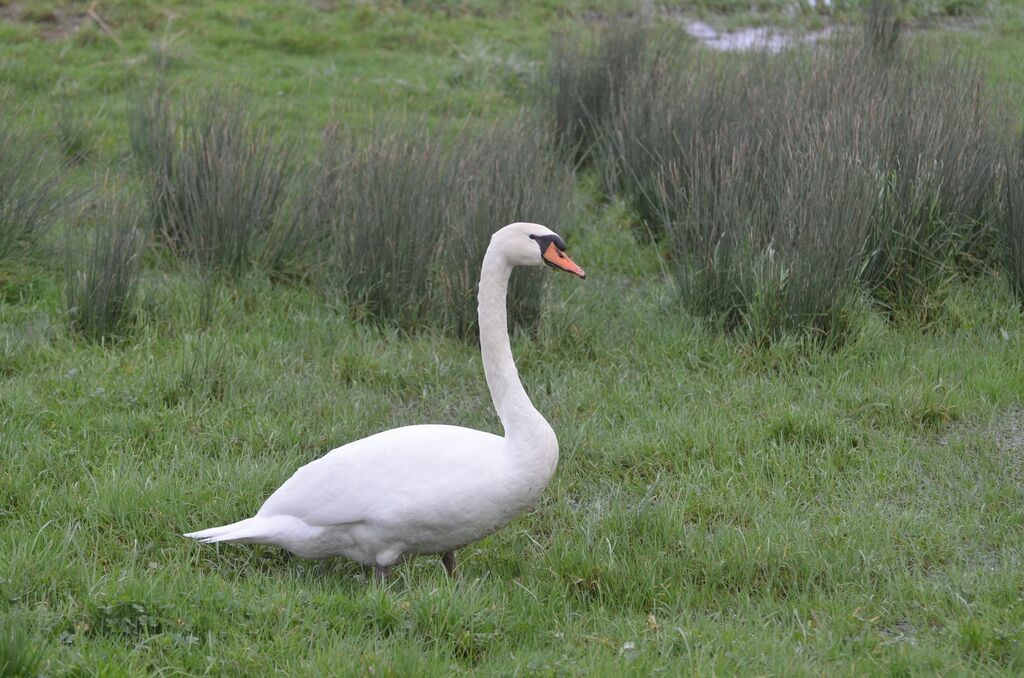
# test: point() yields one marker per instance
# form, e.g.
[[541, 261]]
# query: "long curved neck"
[[518, 415]]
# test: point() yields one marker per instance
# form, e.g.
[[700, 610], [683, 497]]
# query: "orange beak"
[[559, 259]]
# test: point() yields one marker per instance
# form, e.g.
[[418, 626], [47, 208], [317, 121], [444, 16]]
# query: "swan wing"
[[412, 470]]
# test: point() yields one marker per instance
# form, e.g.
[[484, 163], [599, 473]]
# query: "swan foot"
[[381, 573], [448, 560]]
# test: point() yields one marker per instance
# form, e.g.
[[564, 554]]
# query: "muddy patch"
[[1006, 431], [1009, 434], [54, 23], [900, 632]]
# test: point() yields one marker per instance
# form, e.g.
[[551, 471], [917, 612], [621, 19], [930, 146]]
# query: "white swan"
[[425, 489]]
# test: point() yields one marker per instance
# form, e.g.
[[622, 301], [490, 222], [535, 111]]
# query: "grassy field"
[[720, 507]]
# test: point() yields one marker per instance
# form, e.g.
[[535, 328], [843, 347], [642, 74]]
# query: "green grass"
[[719, 508]]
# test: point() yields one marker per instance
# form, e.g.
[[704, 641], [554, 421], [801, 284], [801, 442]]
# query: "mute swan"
[[425, 489]]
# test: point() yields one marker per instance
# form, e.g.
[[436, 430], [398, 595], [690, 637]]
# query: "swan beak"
[[556, 258]]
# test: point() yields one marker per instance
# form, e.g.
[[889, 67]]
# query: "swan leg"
[[381, 573], [448, 560]]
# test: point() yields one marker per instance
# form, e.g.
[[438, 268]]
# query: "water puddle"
[[749, 39]]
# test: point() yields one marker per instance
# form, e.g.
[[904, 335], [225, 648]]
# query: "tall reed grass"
[[410, 208], [151, 125], [102, 269], [217, 178], [397, 217], [585, 77], [782, 181], [664, 113], [31, 185], [938, 141], [770, 247], [1013, 221], [382, 197]]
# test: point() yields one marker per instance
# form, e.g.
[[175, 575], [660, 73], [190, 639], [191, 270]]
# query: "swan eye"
[[545, 241]]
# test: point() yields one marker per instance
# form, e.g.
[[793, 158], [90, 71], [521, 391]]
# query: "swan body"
[[416, 489], [425, 489]]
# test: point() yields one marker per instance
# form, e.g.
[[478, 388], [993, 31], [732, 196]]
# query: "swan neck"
[[511, 402]]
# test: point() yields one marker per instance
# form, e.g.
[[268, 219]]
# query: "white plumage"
[[431, 488]]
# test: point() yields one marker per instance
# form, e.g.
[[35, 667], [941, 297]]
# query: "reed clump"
[[32, 190], [217, 178], [785, 185], [101, 275], [407, 210]]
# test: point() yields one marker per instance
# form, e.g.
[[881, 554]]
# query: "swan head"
[[525, 244]]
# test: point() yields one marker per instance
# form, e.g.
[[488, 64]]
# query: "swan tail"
[[273, 530], [252, 530]]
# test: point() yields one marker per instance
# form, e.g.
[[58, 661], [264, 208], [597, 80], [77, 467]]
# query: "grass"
[[719, 507], [73, 133], [20, 653], [835, 505]]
